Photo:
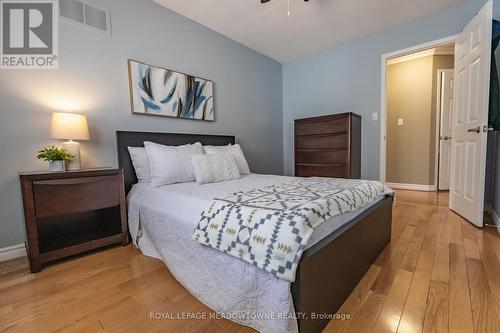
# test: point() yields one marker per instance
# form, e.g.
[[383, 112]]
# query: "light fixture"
[[266, 1], [70, 126], [288, 5]]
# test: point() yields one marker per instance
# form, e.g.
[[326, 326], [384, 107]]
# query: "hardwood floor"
[[438, 274]]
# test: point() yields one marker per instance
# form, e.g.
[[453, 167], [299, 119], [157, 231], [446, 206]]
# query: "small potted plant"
[[55, 156]]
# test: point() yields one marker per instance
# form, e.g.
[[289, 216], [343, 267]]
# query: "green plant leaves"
[[53, 153]]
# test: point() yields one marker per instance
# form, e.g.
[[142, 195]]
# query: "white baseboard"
[[12, 252], [414, 187], [496, 219]]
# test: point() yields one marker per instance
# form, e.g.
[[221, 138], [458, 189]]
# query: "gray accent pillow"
[[233, 150], [214, 168]]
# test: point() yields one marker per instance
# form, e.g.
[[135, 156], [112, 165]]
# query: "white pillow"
[[233, 150], [140, 161], [171, 164], [214, 168]]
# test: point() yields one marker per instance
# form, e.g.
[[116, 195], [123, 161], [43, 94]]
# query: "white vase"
[[56, 166]]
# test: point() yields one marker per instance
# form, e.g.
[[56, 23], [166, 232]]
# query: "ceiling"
[[311, 26]]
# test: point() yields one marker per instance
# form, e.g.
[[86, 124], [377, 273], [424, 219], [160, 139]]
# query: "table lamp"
[[70, 126]]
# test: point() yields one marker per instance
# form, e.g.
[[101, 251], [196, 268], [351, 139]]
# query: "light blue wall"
[[93, 79], [347, 78]]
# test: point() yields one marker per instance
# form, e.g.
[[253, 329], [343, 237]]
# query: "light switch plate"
[[400, 122], [374, 115]]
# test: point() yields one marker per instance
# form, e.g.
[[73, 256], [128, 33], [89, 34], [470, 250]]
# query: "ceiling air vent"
[[85, 14]]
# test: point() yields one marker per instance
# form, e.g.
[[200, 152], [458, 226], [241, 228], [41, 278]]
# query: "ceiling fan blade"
[[264, 1]]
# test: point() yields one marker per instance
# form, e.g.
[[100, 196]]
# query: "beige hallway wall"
[[412, 96]]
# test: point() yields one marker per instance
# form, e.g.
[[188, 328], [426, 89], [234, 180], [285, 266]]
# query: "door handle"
[[445, 138], [475, 129]]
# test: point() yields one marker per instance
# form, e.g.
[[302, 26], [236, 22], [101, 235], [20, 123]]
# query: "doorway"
[[471, 112], [419, 102]]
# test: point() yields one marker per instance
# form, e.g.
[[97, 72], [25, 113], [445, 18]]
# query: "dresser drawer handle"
[[73, 181]]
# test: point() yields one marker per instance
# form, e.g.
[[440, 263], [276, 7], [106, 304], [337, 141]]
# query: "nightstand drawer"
[[72, 195]]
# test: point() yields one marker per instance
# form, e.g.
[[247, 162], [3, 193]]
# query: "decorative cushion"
[[171, 164], [214, 168], [233, 150], [140, 161]]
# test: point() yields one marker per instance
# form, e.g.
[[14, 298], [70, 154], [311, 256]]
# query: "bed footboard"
[[330, 270]]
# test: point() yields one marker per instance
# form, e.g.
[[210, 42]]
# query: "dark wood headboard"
[[136, 139]]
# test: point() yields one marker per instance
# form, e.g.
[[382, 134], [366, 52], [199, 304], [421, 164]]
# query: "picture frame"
[[159, 91]]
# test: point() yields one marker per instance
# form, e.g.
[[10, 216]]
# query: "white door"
[[446, 111], [470, 116]]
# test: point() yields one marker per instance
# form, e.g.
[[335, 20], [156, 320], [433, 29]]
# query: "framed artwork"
[[162, 92]]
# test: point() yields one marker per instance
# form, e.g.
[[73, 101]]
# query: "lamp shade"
[[69, 126]]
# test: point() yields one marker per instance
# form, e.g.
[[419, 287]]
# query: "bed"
[[161, 221]]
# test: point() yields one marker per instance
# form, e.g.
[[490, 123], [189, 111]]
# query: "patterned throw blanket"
[[270, 227]]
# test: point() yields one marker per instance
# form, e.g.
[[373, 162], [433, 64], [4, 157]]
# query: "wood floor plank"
[[390, 314], [409, 261], [89, 324], [71, 292], [405, 214], [491, 266], [483, 306], [414, 310], [441, 266], [468, 230], [50, 321], [365, 318], [456, 236], [494, 238], [471, 249], [436, 311], [75, 271], [421, 198], [391, 263], [460, 316]]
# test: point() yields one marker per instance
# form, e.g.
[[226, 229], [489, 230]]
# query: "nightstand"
[[67, 213]]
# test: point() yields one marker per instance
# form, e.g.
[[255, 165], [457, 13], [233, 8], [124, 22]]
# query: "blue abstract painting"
[[163, 92]]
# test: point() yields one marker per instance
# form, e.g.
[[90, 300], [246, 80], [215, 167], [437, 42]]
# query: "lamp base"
[[73, 148]]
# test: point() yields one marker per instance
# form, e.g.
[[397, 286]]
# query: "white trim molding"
[[496, 219], [421, 54], [413, 187], [12, 252]]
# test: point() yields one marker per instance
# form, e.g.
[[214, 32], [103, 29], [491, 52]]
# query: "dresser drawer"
[[321, 171], [72, 195], [322, 127], [322, 141], [323, 156]]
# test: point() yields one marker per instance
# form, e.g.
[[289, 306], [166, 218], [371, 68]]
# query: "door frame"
[[437, 165], [383, 96]]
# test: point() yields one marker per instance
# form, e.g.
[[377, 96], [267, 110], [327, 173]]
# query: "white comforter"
[[162, 221]]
